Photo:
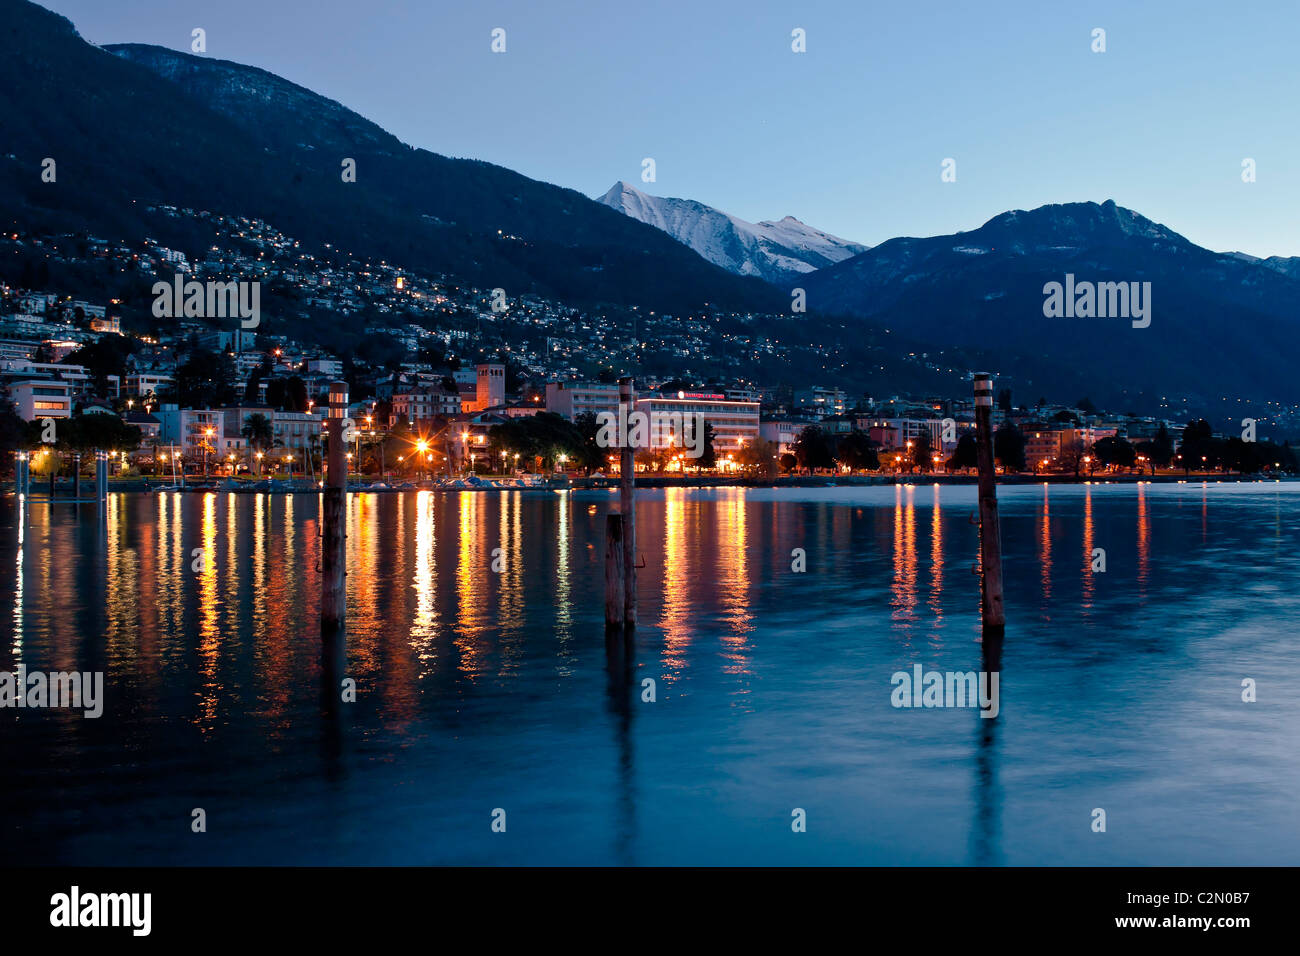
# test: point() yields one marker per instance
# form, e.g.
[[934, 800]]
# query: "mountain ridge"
[[219, 136], [1220, 327], [775, 251]]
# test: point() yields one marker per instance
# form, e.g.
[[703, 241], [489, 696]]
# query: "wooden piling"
[[76, 477], [101, 476], [627, 504], [990, 527], [333, 562], [615, 589]]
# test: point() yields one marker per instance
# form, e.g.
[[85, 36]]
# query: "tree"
[[205, 380], [1072, 455], [87, 433], [708, 457], [252, 391], [812, 450], [788, 462], [1009, 448], [1158, 451], [857, 452], [104, 357], [12, 434], [966, 454], [1197, 443], [759, 456], [545, 435], [1115, 451], [259, 432], [921, 450], [287, 394], [590, 456]]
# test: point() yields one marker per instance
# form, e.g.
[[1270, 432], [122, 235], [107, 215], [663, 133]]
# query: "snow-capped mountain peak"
[[775, 251]]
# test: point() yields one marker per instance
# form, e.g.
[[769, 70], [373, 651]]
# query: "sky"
[[849, 136]]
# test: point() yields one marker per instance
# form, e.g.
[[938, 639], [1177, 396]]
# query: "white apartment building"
[[572, 399], [41, 398], [191, 430], [142, 383], [734, 423]]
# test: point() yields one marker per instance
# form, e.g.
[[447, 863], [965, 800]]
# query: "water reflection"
[[472, 617], [904, 558], [678, 574], [936, 559], [1143, 541], [476, 679], [205, 563], [1088, 580], [733, 585], [1045, 551], [424, 627]]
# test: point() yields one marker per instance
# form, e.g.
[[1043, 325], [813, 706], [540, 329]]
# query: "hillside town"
[[441, 376]]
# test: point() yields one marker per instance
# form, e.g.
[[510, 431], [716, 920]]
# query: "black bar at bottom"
[[335, 906]]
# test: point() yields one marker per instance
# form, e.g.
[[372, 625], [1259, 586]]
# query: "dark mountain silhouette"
[[1222, 327], [132, 125]]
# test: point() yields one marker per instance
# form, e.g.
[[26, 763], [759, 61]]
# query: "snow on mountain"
[[775, 251]]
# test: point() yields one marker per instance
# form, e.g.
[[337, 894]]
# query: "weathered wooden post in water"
[[76, 477], [990, 528], [615, 589], [333, 561], [101, 476], [627, 505]]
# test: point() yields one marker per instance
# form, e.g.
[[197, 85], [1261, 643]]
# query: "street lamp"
[[208, 436]]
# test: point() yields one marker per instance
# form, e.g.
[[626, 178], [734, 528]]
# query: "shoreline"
[[63, 492]]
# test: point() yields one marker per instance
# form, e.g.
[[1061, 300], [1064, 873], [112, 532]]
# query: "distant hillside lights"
[[209, 300], [1102, 300]]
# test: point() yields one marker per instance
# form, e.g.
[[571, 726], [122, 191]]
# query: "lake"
[[482, 690]]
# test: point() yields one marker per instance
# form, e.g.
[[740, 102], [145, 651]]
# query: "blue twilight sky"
[[849, 136]]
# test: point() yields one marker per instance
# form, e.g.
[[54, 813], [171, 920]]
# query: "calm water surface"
[[480, 689]]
